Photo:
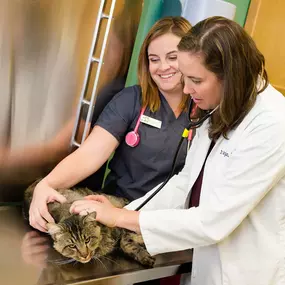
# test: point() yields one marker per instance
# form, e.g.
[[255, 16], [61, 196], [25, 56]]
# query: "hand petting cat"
[[39, 214], [106, 213], [99, 204]]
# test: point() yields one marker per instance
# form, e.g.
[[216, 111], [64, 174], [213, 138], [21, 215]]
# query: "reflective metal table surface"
[[26, 257]]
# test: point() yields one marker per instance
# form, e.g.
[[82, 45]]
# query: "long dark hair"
[[231, 54]]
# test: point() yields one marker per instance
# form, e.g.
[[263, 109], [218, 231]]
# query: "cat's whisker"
[[75, 263], [63, 261], [54, 260], [110, 259], [96, 258]]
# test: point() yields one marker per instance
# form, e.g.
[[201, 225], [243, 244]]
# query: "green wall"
[[154, 10]]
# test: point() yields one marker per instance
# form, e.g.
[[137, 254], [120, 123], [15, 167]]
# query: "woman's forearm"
[[128, 220]]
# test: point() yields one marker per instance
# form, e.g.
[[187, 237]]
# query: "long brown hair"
[[231, 54], [150, 94]]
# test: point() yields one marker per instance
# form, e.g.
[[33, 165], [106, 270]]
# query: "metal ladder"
[[92, 60]]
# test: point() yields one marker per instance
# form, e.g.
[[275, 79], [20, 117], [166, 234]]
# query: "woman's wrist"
[[127, 219], [46, 183]]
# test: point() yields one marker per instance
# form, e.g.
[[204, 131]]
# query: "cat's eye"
[[87, 240], [72, 246]]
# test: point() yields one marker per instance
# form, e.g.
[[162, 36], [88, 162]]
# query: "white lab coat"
[[238, 230]]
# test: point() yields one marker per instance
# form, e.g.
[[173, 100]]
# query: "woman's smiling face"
[[163, 63]]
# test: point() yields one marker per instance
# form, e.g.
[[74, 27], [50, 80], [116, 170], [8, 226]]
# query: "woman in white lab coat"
[[236, 219]]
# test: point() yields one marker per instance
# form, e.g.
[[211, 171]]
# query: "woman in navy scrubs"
[[157, 103]]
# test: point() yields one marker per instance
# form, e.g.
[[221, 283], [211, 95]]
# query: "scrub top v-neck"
[[138, 170]]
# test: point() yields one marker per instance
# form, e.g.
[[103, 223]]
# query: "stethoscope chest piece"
[[132, 139]]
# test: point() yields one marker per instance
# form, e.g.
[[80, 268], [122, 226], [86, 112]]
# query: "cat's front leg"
[[133, 245]]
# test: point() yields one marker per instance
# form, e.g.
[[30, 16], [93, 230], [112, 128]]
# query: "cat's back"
[[71, 195], [58, 211], [75, 194], [61, 211]]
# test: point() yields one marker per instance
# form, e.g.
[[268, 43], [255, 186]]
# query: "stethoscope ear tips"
[[132, 139]]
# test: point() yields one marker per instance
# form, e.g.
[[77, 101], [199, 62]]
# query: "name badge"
[[151, 121]]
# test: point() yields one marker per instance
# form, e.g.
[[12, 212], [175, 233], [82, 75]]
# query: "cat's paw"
[[148, 261]]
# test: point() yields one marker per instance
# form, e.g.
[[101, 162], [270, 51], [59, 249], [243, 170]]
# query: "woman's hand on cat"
[[106, 213], [38, 214]]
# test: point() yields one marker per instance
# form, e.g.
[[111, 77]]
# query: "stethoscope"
[[133, 138]]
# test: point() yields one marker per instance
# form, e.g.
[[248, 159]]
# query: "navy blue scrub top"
[[138, 170]]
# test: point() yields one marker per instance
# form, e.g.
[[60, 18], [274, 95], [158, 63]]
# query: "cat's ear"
[[90, 218], [53, 228]]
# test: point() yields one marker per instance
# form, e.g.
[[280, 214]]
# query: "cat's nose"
[[85, 257]]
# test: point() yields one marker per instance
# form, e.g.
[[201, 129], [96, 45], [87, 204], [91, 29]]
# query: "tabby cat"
[[82, 238]]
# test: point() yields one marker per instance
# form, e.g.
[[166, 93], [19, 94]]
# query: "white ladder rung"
[[95, 59], [76, 143], [104, 16], [85, 102], [92, 59]]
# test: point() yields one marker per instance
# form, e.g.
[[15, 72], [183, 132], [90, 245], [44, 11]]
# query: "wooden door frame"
[[250, 24], [252, 15]]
